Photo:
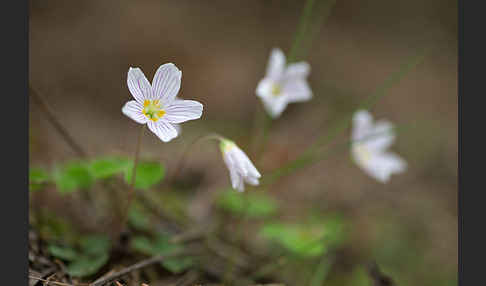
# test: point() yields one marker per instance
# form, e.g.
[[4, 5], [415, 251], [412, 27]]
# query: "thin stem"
[[189, 148], [308, 157], [374, 97], [51, 117], [266, 124], [257, 130], [238, 235], [303, 26], [131, 190], [56, 123], [323, 12]]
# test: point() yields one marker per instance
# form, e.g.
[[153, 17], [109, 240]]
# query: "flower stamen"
[[363, 153], [152, 109], [276, 89]]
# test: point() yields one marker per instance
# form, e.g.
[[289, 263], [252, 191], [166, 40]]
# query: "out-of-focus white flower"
[[370, 141], [240, 167], [156, 104], [283, 84]]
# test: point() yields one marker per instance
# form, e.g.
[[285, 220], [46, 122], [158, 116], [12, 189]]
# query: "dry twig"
[[144, 263], [47, 282]]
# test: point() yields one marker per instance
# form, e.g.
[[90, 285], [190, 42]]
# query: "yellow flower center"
[[152, 110], [363, 153], [276, 89]]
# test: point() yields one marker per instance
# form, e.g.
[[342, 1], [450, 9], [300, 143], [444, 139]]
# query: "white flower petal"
[[371, 141], [247, 164], [138, 85], [167, 82], [276, 64], [297, 90], [235, 176], [264, 88], [297, 70], [163, 129], [178, 128], [362, 124], [381, 137], [382, 166], [252, 181], [238, 161], [275, 105], [183, 110], [240, 187], [133, 109], [240, 167], [395, 163]]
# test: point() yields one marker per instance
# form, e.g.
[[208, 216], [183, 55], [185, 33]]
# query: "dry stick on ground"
[[139, 265], [55, 282], [68, 138]]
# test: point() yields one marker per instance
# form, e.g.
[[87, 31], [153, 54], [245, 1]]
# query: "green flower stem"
[[319, 155], [131, 190], [310, 156], [266, 123], [257, 129], [323, 11], [302, 29], [262, 119], [238, 236], [189, 148], [373, 98]]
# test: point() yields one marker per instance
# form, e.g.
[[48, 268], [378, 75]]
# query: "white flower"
[[239, 165], [157, 104], [283, 85], [370, 142]]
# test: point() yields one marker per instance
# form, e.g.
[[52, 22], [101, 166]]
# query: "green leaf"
[[163, 245], [178, 264], [160, 246], [37, 177], [148, 174], [143, 245], [73, 176], [86, 265], [56, 228], [311, 239], [95, 244], [63, 252], [107, 167], [252, 204], [138, 218]]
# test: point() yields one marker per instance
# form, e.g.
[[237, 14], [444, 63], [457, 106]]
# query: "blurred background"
[[80, 52]]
